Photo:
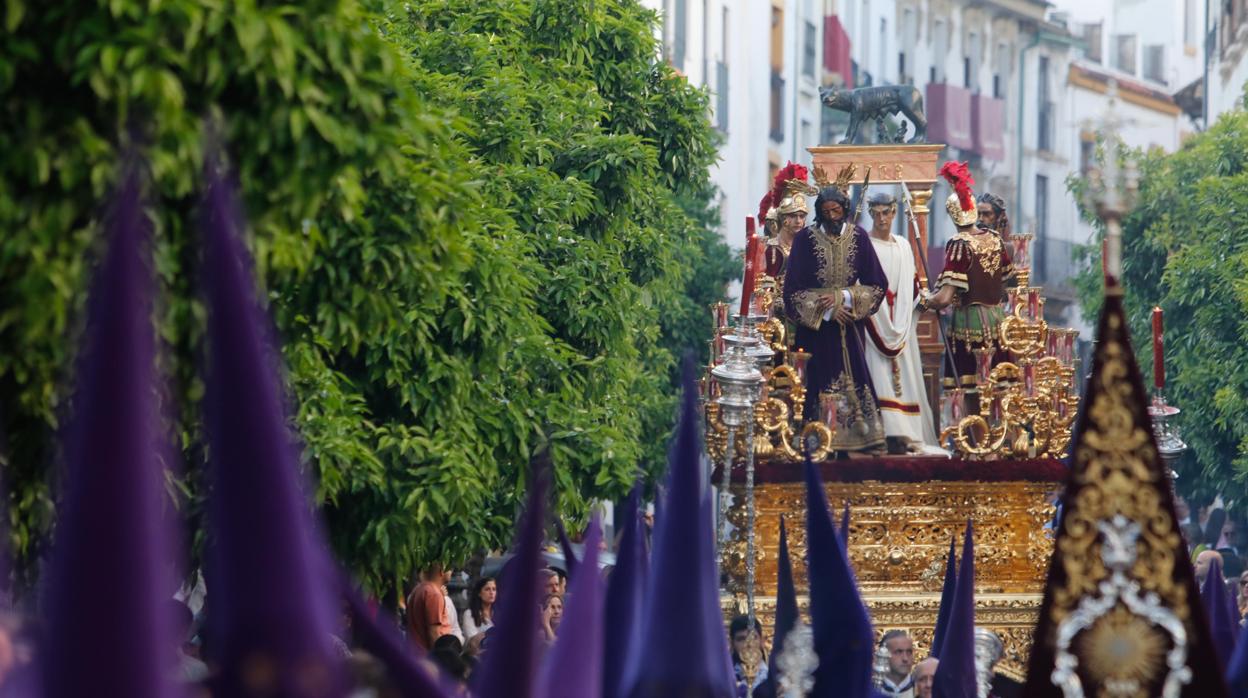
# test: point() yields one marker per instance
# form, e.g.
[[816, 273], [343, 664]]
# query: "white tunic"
[[892, 350]]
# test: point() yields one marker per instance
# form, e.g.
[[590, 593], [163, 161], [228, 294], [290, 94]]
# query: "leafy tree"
[[480, 226], [1185, 249]]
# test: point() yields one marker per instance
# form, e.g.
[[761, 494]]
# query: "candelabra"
[[1112, 185], [739, 380], [1027, 405]]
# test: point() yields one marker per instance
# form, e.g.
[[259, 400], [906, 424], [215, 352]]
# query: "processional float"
[[1005, 473]]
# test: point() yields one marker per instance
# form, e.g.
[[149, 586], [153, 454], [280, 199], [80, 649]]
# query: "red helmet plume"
[[959, 176]]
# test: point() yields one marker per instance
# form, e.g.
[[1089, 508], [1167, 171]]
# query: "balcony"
[[988, 127], [836, 54], [949, 116]]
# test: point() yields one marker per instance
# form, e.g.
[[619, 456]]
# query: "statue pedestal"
[[901, 522], [914, 165]]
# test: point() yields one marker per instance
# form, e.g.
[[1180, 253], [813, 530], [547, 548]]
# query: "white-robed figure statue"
[[892, 345]]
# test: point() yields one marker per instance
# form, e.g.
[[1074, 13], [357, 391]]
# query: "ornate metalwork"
[[1123, 633], [797, 663], [1027, 406], [988, 651], [899, 536]]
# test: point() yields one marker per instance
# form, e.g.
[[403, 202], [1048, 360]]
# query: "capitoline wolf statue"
[[878, 103]]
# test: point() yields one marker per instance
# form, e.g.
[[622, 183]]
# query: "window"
[[883, 45], [1044, 125], [1003, 62], [809, 35], [680, 17], [721, 96], [970, 63], [1124, 53], [808, 134], [1092, 40], [909, 37], [1155, 63], [940, 51], [1042, 228], [1087, 151], [777, 39], [777, 107]]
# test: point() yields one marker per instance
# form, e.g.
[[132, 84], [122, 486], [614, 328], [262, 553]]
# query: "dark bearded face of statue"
[[833, 215], [987, 216]]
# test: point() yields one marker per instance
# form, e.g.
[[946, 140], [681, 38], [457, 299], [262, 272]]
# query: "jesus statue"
[[832, 285]]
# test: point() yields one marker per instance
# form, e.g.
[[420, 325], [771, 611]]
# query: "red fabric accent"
[[988, 126], [878, 341], [836, 54], [949, 115], [907, 407], [916, 469]]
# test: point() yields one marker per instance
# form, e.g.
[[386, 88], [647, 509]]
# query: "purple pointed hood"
[[573, 667], [786, 615], [273, 603], [509, 667], [1237, 669], [565, 544], [625, 595], [955, 676], [685, 651], [1217, 602], [844, 640], [947, 593], [109, 626]]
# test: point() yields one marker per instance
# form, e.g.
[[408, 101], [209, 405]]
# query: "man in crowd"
[[892, 341], [549, 582], [898, 682], [925, 676], [427, 615], [1203, 561]]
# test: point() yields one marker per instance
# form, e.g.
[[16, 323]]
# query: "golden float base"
[[899, 537]]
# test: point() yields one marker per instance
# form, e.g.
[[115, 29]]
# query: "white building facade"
[[761, 60]]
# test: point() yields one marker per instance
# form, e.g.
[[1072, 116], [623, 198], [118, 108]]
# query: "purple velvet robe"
[[820, 264]]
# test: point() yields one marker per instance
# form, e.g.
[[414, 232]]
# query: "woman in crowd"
[[552, 614], [479, 616]]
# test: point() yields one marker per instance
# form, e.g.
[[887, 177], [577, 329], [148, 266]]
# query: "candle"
[[800, 357], [747, 283], [828, 404], [983, 362], [956, 406], [1159, 354], [1029, 376], [1051, 343], [1033, 303], [1068, 354]]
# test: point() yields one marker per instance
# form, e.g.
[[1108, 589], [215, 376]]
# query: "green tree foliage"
[[1185, 249], [480, 226]]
